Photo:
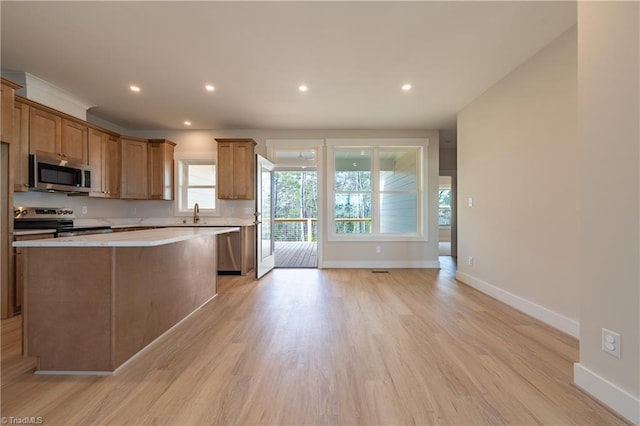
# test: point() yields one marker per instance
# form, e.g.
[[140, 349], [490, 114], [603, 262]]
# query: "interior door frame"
[[263, 264]]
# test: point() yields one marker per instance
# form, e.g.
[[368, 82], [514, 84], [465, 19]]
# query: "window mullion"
[[184, 188], [375, 191]]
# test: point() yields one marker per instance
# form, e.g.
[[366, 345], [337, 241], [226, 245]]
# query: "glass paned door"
[[264, 216]]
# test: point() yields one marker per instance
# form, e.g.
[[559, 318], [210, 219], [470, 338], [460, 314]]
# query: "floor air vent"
[[380, 271]]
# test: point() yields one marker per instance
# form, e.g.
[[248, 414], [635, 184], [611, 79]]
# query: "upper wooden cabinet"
[[104, 159], [50, 134], [134, 169], [45, 132], [20, 147], [74, 143], [112, 166], [161, 169], [236, 169], [7, 99]]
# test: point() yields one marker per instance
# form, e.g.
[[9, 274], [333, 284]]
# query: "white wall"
[[517, 147], [448, 159], [609, 133]]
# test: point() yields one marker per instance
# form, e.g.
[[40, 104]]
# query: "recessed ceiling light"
[[134, 88], [406, 87], [187, 123], [210, 87], [303, 88]]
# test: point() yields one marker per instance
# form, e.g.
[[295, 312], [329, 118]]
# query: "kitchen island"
[[92, 302]]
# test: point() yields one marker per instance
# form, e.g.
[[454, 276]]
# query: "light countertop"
[[123, 223], [116, 223], [145, 238], [22, 232]]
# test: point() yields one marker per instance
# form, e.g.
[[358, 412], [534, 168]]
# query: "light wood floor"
[[296, 254], [309, 346]]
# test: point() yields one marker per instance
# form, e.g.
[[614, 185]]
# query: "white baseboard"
[[606, 392], [554, 319], [349, 264]]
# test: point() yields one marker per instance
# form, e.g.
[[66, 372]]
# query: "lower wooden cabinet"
[[237, 251], [15, 295]]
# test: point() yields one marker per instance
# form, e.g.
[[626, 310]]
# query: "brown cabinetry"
[[52, 135], [236, 169], [73, 145], [105, 160], [161, 169], [45, 132], [236, 251], [7, 99], [20, 147], [15, 301], [134, 169]]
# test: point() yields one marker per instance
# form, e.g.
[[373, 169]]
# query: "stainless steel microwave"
[[53, 174]]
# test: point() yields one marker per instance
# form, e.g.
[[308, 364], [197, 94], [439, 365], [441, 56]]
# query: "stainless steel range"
[[59, 218]]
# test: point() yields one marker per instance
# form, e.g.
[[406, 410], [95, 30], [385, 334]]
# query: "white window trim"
[[377, 144], [182, 157]]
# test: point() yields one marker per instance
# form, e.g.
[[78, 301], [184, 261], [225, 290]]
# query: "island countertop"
[[143, 238]]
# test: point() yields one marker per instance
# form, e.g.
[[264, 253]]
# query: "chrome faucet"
[[196, 213]]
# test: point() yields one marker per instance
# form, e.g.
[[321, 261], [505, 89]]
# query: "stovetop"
[[42, 213], [58, 218]]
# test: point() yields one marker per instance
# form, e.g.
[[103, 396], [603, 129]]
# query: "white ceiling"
[[354, 56]]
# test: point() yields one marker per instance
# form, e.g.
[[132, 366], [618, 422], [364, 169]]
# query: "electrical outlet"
[[470, 261], [611, 342], [378, 249], [84, 210]]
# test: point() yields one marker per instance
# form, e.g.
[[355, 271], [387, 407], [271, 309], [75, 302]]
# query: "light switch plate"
[[470, 201]]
